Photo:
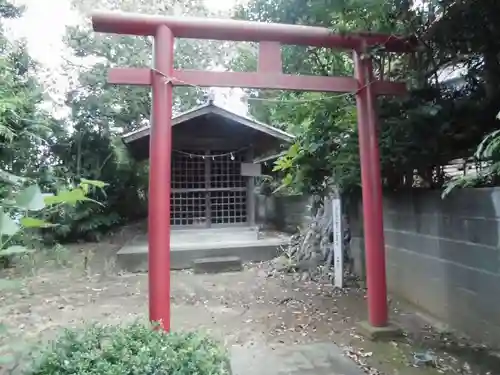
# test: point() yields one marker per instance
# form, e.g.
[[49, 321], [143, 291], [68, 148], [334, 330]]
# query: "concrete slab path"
[[305, 359]]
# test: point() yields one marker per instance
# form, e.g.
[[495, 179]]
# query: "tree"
[[136, 51], [101, 113], [422, 132], [28, 136], [25, 129]]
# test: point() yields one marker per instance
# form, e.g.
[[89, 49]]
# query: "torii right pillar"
[[378, 319]]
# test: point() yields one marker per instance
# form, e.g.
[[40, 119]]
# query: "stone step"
[[217, 264], [133, 257]]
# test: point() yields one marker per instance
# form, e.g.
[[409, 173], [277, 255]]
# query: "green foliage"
[[487, 152], [56, 154], [27, 209], [24, 128], [22, 213], [420, 133], [102, 113], [26, 136], [131, 349], [322, 149], [267, 185], [30, 199]]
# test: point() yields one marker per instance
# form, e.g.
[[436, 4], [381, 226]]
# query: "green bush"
[[131, 350]]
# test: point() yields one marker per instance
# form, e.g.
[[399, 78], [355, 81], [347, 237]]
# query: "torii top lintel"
[[236, 30], [270, 36]]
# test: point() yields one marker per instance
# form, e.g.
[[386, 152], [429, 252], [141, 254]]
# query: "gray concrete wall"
[[443, 255], [292, 212], [284, 213]]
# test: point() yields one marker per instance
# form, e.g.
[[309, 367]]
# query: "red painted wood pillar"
[[159, 179], [371, 182]]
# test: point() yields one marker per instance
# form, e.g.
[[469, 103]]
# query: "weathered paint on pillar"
[[159, 179], [372, 193]]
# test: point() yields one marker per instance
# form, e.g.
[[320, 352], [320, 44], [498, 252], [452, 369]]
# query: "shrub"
[[133, 349]]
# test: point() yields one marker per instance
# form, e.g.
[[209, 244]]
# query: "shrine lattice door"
[[207, 189]]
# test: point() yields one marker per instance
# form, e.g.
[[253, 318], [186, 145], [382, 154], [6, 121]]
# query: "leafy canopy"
[[438, 121]]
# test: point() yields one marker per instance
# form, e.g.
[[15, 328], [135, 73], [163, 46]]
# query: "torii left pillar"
[[159, 182]]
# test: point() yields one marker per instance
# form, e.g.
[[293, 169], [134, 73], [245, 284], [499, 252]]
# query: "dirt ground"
[[245, 308]]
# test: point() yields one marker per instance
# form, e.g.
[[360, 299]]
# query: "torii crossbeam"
[[269, 75]]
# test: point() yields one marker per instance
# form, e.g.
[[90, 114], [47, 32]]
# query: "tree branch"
[[322, 65]]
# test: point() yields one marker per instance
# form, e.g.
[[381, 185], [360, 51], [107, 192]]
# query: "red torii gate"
[[163, 77]]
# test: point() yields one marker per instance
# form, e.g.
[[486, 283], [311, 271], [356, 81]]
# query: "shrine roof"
[[211, 108]]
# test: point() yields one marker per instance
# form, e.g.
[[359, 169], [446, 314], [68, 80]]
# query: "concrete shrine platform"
[[188, 245]]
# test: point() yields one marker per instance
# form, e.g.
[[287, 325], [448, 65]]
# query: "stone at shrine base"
[[388, 332]]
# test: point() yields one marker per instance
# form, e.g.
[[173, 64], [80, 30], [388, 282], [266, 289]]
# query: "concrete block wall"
[[357, 244], [292, 212], [444, 255], [284, 213]]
